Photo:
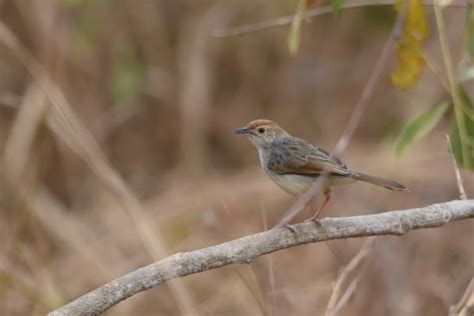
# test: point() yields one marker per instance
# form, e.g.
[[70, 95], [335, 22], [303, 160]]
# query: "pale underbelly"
[[299, 184]]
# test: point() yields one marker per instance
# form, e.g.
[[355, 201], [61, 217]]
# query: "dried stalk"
[[457, 173], [338, 297]]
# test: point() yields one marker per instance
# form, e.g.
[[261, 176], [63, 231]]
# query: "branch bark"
[[246, 249]]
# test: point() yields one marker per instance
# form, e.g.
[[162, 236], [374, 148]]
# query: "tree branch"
[[246, 249]]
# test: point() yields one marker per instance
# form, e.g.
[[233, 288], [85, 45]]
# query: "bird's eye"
[[261, 130]]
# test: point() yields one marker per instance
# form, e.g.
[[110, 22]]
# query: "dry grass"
[[113, 106]]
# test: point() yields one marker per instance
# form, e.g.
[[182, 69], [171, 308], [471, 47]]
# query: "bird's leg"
[[312, 204], [327, 197]]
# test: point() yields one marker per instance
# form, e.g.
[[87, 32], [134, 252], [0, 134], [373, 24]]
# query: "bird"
[[295, 164]]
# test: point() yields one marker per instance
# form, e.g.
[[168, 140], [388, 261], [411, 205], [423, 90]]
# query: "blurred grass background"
[[162, 97]]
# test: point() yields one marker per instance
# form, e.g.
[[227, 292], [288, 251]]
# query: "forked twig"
[[253, 289], [338, 297], [465, 306], [347, 295]]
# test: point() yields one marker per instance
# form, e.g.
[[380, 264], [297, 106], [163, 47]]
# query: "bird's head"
[[262, 133]]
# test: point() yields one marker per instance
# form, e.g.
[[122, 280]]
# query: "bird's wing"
[[296, 156]]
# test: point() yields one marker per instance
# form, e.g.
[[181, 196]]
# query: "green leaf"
[[420, 126], [295, 31], [127, 76], [470, 33], [337, 6], [463, 149]]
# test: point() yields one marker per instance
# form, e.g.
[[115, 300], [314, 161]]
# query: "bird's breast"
[[292, 183], [297, 185]]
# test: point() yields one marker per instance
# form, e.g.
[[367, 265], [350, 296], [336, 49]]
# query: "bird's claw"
[[316, 221], [291, 228]]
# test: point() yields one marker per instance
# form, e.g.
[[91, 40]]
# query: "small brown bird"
[[294, 164]]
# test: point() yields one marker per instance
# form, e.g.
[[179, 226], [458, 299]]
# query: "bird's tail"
[[386, 183]]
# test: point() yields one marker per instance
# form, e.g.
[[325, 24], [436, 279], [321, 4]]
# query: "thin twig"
[[258, 289], [431, 65], [19, 144], [287, 20], [371, 83], [252, 290], [453, 83], [337, 295], [466, 302], [459, 181], [271, 270], [246, 249], [347, 295], [354, 120]]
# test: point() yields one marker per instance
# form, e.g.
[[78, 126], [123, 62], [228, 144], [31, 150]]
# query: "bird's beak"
[[243, 130]]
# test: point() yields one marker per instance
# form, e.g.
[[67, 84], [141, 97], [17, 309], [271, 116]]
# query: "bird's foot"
[[291, 228], [316, 221]]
